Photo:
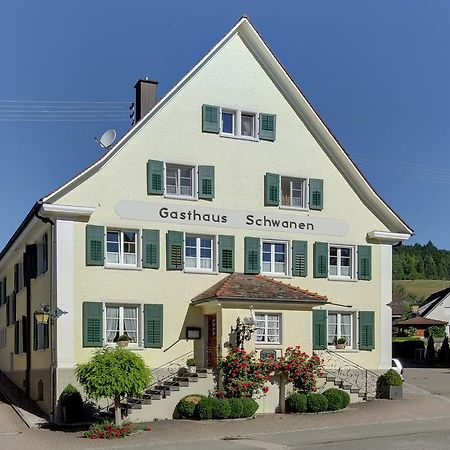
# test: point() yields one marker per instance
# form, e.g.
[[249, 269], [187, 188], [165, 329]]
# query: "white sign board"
[[230, 218]]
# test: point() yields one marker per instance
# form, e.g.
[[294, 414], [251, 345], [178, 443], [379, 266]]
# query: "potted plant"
[[123, 340], [191, 365], [340, 344], [389, 385]]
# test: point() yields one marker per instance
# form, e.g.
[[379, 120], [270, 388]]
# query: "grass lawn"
[[404, 339], [423, 288]]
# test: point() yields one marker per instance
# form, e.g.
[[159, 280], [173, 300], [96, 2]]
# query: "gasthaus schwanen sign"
[[231, 218]]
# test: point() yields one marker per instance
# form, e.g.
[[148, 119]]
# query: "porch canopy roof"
[[238, 286], [420, 321]]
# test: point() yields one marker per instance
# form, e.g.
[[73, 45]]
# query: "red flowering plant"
[[109, 430], [242, 374], [299, 368]]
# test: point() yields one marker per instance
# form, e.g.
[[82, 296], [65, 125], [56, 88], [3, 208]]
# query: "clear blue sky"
[[377, 72]]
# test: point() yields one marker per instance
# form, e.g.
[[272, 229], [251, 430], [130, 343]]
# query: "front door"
[[211, 355]]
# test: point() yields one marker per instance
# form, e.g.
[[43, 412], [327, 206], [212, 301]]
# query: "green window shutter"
[[205, 181], [226, 254], [315, 194], [252, 255], [320, 259], [150, 249], [299, 258], [319, 329], [364, 262], [153, 326], [174, 250], [271, 189], [155, 177], [92, 324], [267, 126], [95, 245], [210, 119], [366, 330]]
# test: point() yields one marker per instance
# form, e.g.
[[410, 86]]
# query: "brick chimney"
[[145, 97]]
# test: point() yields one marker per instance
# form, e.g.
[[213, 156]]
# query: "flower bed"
[[109, 430]]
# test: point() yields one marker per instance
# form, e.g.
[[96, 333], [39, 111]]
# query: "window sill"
[[201, 272], [294, 208], [276, 275], [130, 347], [268, 344], [122, 267], [180, 197], [242, 138], [345, 279], [343, 350]]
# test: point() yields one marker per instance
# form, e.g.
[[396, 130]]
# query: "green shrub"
[[437, 331], [335, 399], [203, 409], [186, 406], [390, 378], [345, 398], [221, 408], [70, 398], [316, 402], [236, 408], [249, 407], [296, 403], [430, 354], [407, 349]]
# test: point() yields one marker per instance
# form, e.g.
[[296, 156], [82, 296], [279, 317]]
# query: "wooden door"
[[212, 341]]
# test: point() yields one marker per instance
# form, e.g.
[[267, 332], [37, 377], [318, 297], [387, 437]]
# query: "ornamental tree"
[[113, 373]]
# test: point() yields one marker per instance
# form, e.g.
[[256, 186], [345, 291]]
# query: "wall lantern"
[[46, 312], [244, 329]]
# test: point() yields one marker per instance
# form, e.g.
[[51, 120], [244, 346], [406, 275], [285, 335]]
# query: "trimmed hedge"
[[221, 408], [316, 402], [345, 398], [249, 407], [297, 403], [203, 409], [335, 399], [406, 349], [186, 406], [236, 408]]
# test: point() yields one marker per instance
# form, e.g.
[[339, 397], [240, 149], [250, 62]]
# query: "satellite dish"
[[107, 139]]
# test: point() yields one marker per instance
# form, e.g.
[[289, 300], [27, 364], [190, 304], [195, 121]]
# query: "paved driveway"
[[434, 380], [10, 422]]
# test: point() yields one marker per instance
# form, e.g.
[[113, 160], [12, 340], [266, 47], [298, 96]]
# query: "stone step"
[[202, 375], [205, 370], [172, 385], [193, 378], [330, 378], [165, 390], [354, 390], [154, 394], [182, 381]]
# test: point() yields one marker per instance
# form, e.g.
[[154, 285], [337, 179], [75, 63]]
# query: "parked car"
[[397, 366]]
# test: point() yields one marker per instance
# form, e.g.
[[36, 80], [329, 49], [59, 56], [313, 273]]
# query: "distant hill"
[[420, 289], [420, 262]]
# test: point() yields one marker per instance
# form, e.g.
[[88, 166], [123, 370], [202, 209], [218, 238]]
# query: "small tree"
[[113, 373], [431, 352]]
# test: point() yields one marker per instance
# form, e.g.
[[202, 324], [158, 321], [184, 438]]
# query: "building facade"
[[229, 198]]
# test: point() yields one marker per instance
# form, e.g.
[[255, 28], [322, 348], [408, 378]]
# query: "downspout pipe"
[[52, 267]]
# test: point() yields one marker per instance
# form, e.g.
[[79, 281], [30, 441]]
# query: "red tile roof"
[[420, 321], [238, 286]]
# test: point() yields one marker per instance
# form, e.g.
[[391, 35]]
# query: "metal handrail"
[[348, 371]]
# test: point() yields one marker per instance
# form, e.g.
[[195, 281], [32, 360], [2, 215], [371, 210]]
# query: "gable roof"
[[397, 305], [420, 321], [238, 286], [300, 105], [433, 301]]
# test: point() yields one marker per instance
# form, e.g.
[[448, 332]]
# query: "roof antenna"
[[107, 139]]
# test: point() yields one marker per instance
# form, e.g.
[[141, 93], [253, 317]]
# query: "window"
[[3, 337], [18, 277], [274, 258], [40, 335], [293, 192], [340, 325], [341, 262], [121, 247], [198, 252], [180, 180], [267, 328], [122, 320], [238, 123]]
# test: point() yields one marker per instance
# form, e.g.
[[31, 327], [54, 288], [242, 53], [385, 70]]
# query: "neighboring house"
[[437, 306], [421, 324], [398, 309], [229, 197]]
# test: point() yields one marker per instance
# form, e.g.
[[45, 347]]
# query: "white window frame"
[[214, 252], [194, 172], [287, 246], [266, 327], [121, 264], [353, 329], [140, 323], [352, 276], [237, 123], [305, 181]]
